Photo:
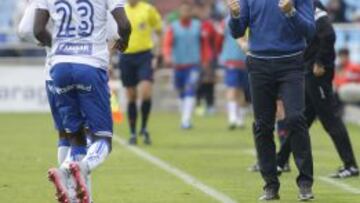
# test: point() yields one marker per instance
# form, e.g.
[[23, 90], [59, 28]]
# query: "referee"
[[278, 34], [137, 64], [320, 97]]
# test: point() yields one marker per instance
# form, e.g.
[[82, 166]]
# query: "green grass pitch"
[[210, 153]]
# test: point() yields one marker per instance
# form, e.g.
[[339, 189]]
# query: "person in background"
[[79, 63], [337, 11], [232, 58], [7, 8], [206, 89], [347, 78], [137, 64], [184, 49]]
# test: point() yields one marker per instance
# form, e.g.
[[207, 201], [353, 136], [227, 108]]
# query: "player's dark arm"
[[327, 37], [124, 28], [40, 31], [239, 24], [303, 19]]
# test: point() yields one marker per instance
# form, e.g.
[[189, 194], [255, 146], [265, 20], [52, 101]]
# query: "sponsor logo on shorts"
[[63, 90]]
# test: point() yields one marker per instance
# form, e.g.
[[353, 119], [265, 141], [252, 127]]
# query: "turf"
[[210, 153]]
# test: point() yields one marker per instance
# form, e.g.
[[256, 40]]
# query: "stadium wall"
[[22, 89]]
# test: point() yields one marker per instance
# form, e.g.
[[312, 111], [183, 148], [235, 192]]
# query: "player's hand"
[[234, 6], [286, 6], [319, 70], [121, 45]]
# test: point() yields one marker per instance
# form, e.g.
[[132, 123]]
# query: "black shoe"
[[305, 194], [133, 140], [147, 139], [254, 168], [232, 127], [270, 194], [346, 173]]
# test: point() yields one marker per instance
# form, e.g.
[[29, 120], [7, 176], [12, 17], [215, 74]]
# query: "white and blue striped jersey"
[[80, 30]]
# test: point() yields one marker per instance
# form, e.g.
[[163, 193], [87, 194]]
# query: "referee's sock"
[[132, 117], [145, 113]]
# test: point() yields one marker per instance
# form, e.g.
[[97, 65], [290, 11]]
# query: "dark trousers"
[[321, 102], [268, 79], [206, 91]]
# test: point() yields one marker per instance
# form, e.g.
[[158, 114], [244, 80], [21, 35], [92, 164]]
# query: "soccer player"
[[65, 152], [206, 89], [278, 34], [79, 61], [183, 50], [25, 33], [232, 58], [138, 62], [320, 98]]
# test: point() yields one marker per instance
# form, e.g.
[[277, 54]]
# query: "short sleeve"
[[113, 4], [155, 19], [42, 4]]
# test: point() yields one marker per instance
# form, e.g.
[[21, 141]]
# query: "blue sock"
[[77, 153]]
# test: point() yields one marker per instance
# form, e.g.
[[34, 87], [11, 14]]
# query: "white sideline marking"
[[336, 183], [340, 185], [177, 172]]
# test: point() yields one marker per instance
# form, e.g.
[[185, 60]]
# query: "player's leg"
[[282, 132], [322, 97], [63, 142], [264, 94], [145, 75], [94, 102], [67, 107], [281, 124], [232, 92], [292, 90], [192, 76], [243, 104], [242, 110], [132, 113], [130, 81], [285, 147], [210, 97], [200, 95], [98, 115], [179, 83], [146, 105]]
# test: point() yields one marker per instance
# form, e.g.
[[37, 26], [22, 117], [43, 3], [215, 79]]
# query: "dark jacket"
[[321, 49]]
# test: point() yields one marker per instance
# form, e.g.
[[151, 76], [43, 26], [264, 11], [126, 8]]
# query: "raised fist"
[[286, 6], [234, 7]]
